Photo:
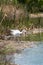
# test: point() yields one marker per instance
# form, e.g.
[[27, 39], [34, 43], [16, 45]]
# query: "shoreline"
[[17, 46], [13, 47]]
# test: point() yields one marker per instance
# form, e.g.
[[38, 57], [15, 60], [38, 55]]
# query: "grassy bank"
[[34, 37]]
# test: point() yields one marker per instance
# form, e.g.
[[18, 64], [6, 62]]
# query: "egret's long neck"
[[24, 31], [21, 32]]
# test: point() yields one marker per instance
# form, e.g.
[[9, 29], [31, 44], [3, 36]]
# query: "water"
[[30, 56]]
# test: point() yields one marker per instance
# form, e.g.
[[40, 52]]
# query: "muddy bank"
[[16, 46]]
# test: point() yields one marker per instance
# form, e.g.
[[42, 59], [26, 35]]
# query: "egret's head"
[[24, 31]]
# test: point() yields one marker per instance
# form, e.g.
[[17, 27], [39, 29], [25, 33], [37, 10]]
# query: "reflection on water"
[[30, 56]]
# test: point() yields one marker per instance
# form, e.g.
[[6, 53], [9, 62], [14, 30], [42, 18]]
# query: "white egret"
[[17, 33]]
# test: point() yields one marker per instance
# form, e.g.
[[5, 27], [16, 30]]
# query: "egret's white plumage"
[[16, 32]]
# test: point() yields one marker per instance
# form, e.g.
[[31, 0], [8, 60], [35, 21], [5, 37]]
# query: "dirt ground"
[[16, 45]]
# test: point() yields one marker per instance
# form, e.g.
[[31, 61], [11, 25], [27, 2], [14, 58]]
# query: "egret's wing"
[[15, 32]]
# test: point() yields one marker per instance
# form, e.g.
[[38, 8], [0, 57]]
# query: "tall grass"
[[22, 21], [34, 37]]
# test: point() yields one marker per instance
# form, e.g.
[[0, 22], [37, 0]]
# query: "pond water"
[[30, 56]]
